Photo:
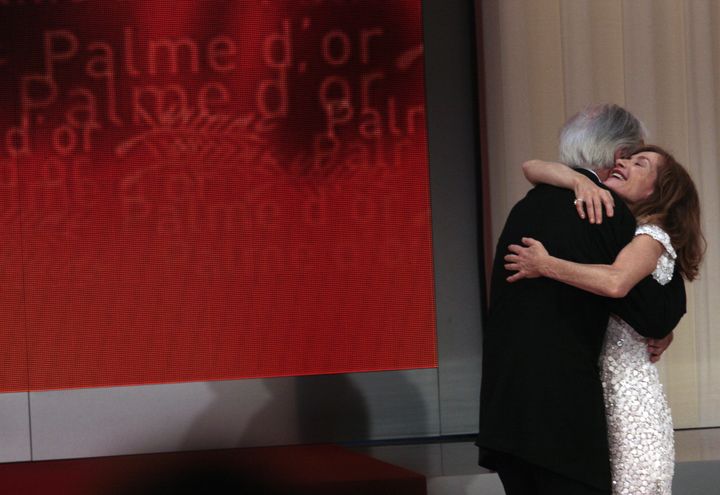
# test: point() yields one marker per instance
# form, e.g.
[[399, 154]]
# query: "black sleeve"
[[653, 310]]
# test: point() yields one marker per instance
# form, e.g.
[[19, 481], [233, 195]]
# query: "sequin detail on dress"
[[640, 432], [666, 264]]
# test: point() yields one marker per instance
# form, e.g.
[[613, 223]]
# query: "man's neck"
[[602, 173]]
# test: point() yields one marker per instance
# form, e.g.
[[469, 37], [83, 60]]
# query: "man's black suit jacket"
[[541, 397]]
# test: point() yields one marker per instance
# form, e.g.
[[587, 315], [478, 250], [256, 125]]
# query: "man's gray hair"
[[591, 137]]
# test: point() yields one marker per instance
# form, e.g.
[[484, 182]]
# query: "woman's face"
[[633, 179]]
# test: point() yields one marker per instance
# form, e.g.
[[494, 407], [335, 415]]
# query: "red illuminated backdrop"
[[199, 190]]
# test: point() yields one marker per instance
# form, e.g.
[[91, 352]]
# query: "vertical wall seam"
[[689, 102], [706, 418], [563, 67], [622, 52]]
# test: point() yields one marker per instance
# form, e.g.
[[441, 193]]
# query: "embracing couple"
[[587, 286]]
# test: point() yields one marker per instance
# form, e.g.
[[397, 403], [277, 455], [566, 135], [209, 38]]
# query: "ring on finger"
[[578, 200]]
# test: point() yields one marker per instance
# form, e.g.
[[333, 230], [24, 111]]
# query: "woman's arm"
[[553, 173], [636, 261], [588, 195]]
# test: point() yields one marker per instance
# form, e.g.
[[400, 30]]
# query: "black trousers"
[[522, 478]]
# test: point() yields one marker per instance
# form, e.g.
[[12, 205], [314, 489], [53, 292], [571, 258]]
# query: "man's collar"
[[592, 175], [592, 172]]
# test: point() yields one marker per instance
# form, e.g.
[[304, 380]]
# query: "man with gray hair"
[[542, 416], [594, 137]]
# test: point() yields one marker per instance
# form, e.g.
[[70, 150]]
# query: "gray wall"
[[362, 406]]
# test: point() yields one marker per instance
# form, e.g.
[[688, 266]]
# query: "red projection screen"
[[205, 190]]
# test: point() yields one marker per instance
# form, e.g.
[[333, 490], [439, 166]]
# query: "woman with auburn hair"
[[664, 200]]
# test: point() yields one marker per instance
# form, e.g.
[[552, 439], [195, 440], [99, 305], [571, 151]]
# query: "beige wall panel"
[[654, 39], [592, 43], [661, 59], [495, 105], [515, 141], [702, 20], [545, 82], [525, 96]]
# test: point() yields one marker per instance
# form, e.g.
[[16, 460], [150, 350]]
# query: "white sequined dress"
[[640, 431]]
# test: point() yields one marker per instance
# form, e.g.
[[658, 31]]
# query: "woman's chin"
[[616, 186], [612, 182]]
